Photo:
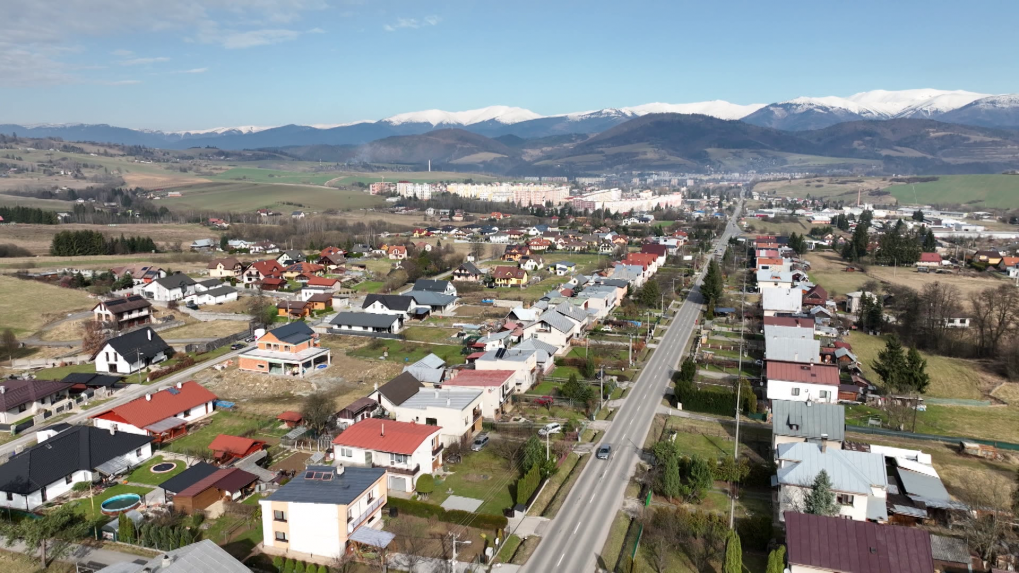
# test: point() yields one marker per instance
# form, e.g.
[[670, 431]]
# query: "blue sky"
[[193, 64]]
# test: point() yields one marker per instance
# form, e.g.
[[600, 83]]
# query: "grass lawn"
[[481, 475], [614, 544], [84, 506], [248, 196], [408, 351], [950, 377], [143, 473], [508, 549], [431, 334], [59, 372], [11, 562], [26, 313], [987, 423], [214, 355], [369, 286], [222, 422], [564, 372], [996, 191], [546, 388]]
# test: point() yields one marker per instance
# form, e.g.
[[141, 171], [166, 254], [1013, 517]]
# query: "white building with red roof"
[[495, 387], [405, 449], [802, 382], [163, 414]]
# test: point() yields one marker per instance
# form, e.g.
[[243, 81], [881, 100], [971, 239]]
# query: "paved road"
[[125, 395], [577, 534]]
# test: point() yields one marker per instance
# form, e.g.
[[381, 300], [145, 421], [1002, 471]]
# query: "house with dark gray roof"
[[365, 323], [396, 391], [815, 422], [50, 469], [201, 557], [431, 285], [186, 479], [436, 302], [177, 286], [21, 399], [322, 509], [132, 352], [127, 312], [468, 272]]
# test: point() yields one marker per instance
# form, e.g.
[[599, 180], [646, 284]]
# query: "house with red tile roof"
[[821, 544], [331, 251], [225, 484], [398, 252], [163, 414], [406, 450], [258, 271], [495, 387], [929, 260], [226, 448], [801, 382]]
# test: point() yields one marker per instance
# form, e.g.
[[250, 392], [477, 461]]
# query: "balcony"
[[399, 469], [438, 449], [354, 522], [477, 414]]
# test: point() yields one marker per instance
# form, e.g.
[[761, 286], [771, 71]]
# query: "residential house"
[[82, 381], [226, 484], [553, 328], [163, 414], [297, 215], [437, 286], [802, 382], [855, 299], [532, 263], [333, 263], [563, 268], [229, 267], [396, 391], [294, 309], [814, 422], [798, 350], [957, 322], [317, 301], [302, 272], [131, 352], [322, 284], [430, 370], [216, 295], [267, 247], [767, 278], [173, 287], [399, 305], [259, 271], [287, 350], [790, 321], [49, 469], [141, 273], [366, 322], [291, 256], [397, 252], [20, 399], [468, 272], [226, 448], [360, 409], [929, 260], [544, 361], [433, 302], [203, 245], [539, 244], [318, 512], [781, 301], [122, 313], [515, 252], [495, 387], [815, 296], [201, 557], [821, 544], [858, 479], [509, 276], [991, 258], [456, 412], [405, 450]]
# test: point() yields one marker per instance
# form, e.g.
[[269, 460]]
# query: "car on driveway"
[[237, 346], [550, 428], [604, 452], [480, 441]]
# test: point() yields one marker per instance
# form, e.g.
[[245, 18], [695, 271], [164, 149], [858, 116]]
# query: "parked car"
[[604, 452], [479, 442], [237, 346], [550, 428], [191, 304], [545, 401]]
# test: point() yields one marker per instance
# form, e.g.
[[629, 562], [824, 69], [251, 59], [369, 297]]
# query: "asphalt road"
[[578, 532], [123, 396]]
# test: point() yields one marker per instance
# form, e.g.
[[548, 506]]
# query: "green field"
[[48, 204], [252, 196], [257, 175], [981, 191]]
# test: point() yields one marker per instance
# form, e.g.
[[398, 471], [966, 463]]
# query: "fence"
[[49, 362], [931, 437], [387, 335]]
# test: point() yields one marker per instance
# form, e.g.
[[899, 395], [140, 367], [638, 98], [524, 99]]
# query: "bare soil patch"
[[154, 181]]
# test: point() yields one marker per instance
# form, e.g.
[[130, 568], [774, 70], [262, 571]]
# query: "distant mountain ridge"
[[798, 114]]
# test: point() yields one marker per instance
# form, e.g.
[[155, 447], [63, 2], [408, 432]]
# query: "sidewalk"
[[399, 562]]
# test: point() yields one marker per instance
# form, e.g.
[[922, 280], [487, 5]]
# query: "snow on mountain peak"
[[926, 100], [500, 113], [222, 130], [715, 108]]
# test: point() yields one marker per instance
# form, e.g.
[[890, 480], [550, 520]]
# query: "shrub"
[[426, 484], [430, 510], [277, 562], [183, 363], [527, 485], [299, 567], [755, 531], [288, 566], [81, 486]]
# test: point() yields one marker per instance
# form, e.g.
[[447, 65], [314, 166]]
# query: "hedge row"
[[429, 510], [185, 362], [709, 402], [527, 485]]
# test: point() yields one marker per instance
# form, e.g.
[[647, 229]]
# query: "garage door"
[[398, 483]]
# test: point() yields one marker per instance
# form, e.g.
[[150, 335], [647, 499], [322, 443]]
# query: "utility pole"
[[453, 537], [601, 389], [629, 351], [138, 353]]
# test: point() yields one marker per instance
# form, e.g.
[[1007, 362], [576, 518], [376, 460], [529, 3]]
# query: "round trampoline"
[[163, 467], [120, 504]]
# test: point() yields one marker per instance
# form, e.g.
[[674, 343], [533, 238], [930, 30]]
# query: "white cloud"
[[412, 23], [122, 53], [193, 71], [143, 61], [252, 38], [122, 83]]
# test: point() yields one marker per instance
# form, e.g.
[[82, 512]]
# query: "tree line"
[[28, 215], [77, 243]]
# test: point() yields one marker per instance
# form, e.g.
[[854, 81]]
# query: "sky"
[[198, 64]]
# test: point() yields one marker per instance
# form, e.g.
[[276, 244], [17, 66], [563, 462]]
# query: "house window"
[[278, 515], [398, 458], [10, 496], [824, 394], [281, 536], [844, 499], [347, 452], [138, 453], [186, 413], [69, 479], [796, 391], [22, 408]]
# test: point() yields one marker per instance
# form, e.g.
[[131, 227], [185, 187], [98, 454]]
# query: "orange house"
[[290, 350], [293, 308]]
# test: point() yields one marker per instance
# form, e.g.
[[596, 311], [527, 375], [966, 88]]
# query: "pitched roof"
[[930, 258], [789, 321], [268, 267], [806, 373], [189, 477], [386, 435], [141, 413], [430, 361], [125, 304], [363, 319], [226, 479], [143, 343], [400, 388], [75, 449], [14, 393], [91, 379], [356, 407], [233, 444], [808, 420], [477, 378], [659, 250], [228, 263], [431, 298], [174, 281], [849, 471], [556, 321], [800, 350], [321, 281], [504, 272], [950, 549], [294, 333], [390, 301], [850, 546], [457, 399], [223, 290], [201, 557], [431, 285], [782, 299], [470, 268], [325, 485]]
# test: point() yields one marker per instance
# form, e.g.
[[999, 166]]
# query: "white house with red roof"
[[405, 449], [929, 260], [802, 382], [495, 387], [163, 414]]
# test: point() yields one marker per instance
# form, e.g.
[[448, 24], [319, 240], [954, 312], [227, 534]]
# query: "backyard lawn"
[[222, 422], [481, 475], [85, 506], [143, 473], [59, 372], [407, 351], [431, 334], [950, 377]]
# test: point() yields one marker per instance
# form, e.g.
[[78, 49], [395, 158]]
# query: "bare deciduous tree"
[[994, 316], [93, 337], [938, 303], [990, 496]]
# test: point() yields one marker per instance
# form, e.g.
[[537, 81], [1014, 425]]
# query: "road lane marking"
[[557, 563], [576, 528]]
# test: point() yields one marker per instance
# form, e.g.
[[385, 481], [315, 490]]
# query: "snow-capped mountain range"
[[802, 113]]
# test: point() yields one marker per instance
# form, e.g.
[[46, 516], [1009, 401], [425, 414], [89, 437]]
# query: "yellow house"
[[509, 276]]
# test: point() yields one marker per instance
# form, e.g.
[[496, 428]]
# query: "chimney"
[[824, 443], [148, 397], [148, 331], [167, 561], [339, 470], [376, 386], [113, 431], [383, 429], [180, 385], [3, 389], [448, 402]]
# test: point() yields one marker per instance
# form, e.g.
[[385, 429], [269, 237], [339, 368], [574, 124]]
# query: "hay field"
[[246, 197], [37, 238], [844, 188], [974, 191], [48, 204], [160, 181], [25, 306]]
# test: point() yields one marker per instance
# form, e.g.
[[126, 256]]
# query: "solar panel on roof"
[[173, 391], [309, 475], [326, 477]]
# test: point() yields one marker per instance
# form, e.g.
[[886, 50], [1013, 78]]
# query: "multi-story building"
[[320, 510], [518, 193], [406, 450], [290, 349], [128, 312], [802, 382], [615, 201], [456, 412], [858, 479]]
